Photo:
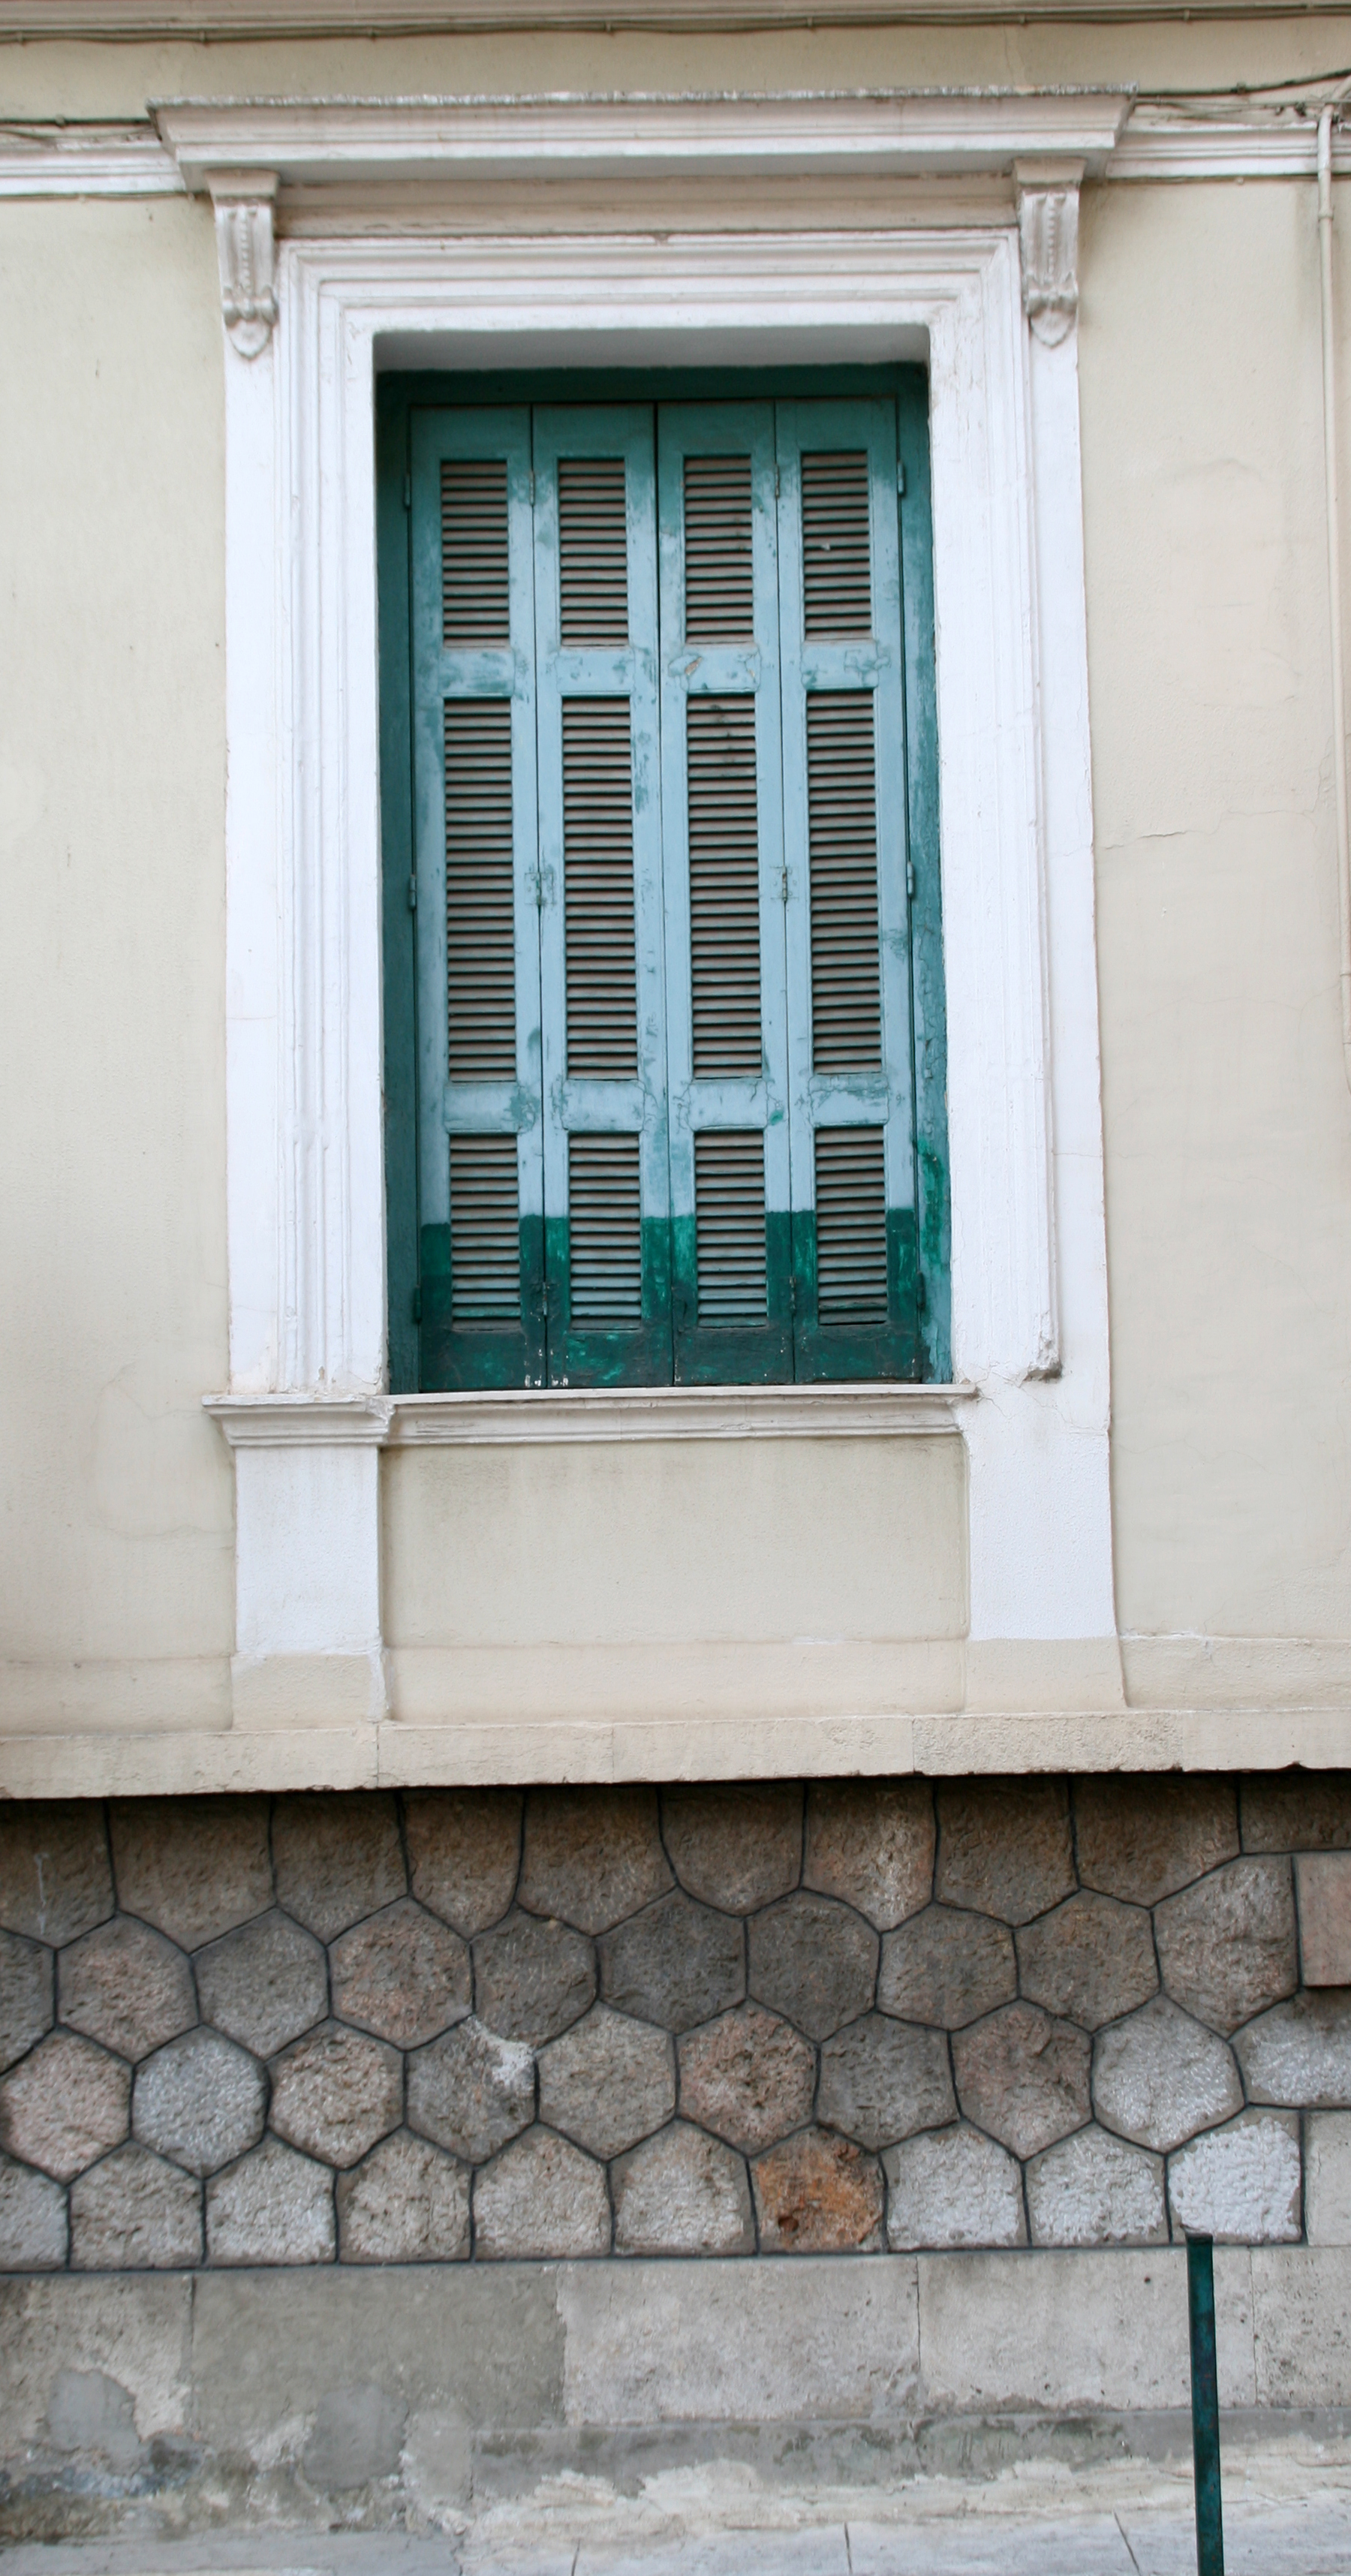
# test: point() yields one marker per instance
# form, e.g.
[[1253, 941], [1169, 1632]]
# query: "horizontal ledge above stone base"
[[65, 1762]]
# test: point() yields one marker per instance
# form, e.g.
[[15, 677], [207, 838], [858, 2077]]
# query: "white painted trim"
[[550, 1417], [32, 20], [87, 161], [307, 1276], [894, 133], [952, 133]]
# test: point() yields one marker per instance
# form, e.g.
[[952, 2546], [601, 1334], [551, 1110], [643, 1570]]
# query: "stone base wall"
[[462, 2026]]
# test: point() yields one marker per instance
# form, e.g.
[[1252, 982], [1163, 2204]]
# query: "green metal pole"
[[1205, 2406]]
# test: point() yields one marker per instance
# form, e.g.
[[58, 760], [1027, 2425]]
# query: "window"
[[663, 981]]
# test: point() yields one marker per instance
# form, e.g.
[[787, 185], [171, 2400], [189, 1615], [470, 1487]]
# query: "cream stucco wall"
[[729, 1578], [116, 1508]]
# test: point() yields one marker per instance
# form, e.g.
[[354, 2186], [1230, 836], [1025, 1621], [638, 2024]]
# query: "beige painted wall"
[[116, 1517], [1227, 1119]]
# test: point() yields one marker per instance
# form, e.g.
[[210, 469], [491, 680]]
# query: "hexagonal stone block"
[[682, 2193], [472, 2091], [338, 1857], [882, 2079], [1023, 2076], [401, 1974], [1299, 2053], [1095, 2190], [607, 2082], [63, 2105], [134, 2214], [677, 1963], [871, 1843], [1090, 1961], [55, 1878], [406, 2204], [749, 2076], [33, 2229], [274, 2207], [948, 1967], [200, 2101], [735, 1845], [26, 1983], [194, 1867], [592, 1856], [814, 1961], [532, 1979], [1323, 1896], [816, 2193], [264, 1984], [126, 1986], [952, 2188], [464, 1852], [335, 2092], [1004, 1846], [1297, 1811], [1227, 1945], [1159, 2077], [1142, 1839], [542, 2198], [1240, 2184]]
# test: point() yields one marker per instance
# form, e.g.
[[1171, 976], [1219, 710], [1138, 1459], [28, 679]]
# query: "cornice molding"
[[135, 21], [314, 144]]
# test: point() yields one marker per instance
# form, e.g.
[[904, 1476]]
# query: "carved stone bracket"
[[243, 203], [1048, 238]]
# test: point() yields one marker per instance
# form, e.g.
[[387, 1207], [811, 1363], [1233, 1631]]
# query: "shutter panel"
[[480, 1163], [847, 918], [722, 824], [606, 1189]]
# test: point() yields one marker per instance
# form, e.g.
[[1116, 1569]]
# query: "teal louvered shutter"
[[847, 914], [722, 830], [607, 1244], [480, 1159]]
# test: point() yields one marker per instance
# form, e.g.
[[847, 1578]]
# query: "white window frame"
[[307, 1409]]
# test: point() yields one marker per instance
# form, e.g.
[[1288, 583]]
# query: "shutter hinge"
[[417, 1305], [776, 483], [532, 487], [408, 491], [792, 1292], [412, 894], [783, 885], [921, 1292], [900, 478], [910, 878]]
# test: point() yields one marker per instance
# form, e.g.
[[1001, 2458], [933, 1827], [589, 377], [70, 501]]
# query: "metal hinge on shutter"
[[408, 491], [900, 479]]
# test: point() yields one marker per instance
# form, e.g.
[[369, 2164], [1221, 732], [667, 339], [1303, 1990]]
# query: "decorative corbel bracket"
[[1048, 238], [243, 201]]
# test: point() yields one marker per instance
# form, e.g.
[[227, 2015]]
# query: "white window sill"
[[538, 1416]]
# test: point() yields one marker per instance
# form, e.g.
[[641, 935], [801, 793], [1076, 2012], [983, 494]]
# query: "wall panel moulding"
[[129, 20]]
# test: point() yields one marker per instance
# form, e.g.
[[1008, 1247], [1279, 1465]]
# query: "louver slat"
[[480, 906], [851, 1226], [593, 559], [836, 582], [605, 1242], [475, 592], [842, 850], [719, 584], [729, 1217], [485, 1269], [724, 887], [598, 906]]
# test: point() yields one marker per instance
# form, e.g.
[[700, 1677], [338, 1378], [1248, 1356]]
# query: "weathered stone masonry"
[[701, 2020]]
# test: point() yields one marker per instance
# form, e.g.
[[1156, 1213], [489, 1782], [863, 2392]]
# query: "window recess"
[[672, 938]]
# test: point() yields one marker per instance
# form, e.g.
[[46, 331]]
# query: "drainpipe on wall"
[[1334, 531]]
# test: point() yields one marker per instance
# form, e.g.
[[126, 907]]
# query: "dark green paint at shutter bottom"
[[669, 1345]]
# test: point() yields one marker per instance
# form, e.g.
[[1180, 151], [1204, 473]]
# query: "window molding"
[[306, 1215]]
